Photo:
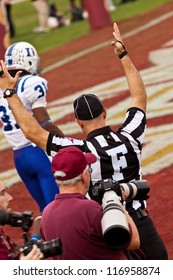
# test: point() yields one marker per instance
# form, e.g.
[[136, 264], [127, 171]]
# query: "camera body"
[[115, 227], [49, 248], [25, 220]]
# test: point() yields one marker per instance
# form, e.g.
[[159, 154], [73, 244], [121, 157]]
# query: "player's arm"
[[43, 118], [135, 83], [30, 127], [36, 93]]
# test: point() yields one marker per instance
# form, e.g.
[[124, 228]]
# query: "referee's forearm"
[[135, 83], [30, 127]]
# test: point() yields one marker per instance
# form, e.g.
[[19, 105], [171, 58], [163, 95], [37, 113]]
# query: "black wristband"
[[124, 52]]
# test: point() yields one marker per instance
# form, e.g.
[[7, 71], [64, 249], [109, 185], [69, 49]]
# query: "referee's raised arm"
[[135, 82]]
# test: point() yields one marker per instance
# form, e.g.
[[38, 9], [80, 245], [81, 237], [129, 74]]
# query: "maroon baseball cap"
[[70, 162], [87, 107]]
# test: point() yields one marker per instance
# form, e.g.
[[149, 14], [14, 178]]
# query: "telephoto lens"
[[136, 190], [114, 224]]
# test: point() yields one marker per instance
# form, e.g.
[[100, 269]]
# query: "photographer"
[[76, 219], [7, 246]]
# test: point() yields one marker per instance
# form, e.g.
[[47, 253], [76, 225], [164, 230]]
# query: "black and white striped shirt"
[[118, 153]]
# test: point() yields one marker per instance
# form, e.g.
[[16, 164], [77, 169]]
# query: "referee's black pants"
[[151, 245]]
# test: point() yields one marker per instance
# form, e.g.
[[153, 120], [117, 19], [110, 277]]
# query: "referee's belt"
[[141, 213]]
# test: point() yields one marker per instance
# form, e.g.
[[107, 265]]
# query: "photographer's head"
[[71, 168], [5, 198], [89, 112]]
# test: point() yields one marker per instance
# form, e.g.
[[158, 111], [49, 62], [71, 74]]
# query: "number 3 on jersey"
[[8, 125]]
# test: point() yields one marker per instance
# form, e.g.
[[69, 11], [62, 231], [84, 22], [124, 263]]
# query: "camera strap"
[[141, 213], [129, 205], [10, 245]]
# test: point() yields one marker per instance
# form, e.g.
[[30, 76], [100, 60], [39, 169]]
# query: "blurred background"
[[25, 19]]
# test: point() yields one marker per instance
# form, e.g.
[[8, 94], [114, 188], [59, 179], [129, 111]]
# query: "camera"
[[24, 220], [136, 190], [115, 228], [49, 248]]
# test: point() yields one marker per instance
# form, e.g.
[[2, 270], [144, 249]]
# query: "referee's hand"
[[117, 43], [6, 80]]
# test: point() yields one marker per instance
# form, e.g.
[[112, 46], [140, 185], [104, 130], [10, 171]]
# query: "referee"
[[118, 152]]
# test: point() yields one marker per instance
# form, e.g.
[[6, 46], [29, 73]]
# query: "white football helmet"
[[22, 56]]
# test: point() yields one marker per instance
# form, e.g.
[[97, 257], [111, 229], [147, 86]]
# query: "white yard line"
[[104, 44]]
